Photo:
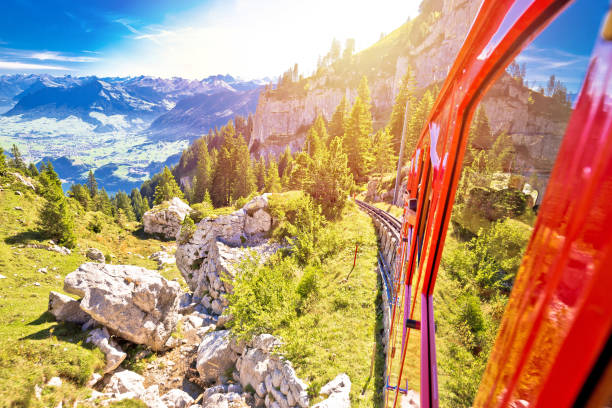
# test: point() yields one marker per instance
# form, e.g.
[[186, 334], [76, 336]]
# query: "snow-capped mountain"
[[125, 128]]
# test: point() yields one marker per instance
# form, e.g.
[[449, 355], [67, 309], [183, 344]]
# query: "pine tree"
[[357, 140], [329, 181], [384, 155], [243, 177], [139, 204], [301, 172], [167, 188], [55, 218], [363, 92], [405, 95], [92, 184], [417, 122], [273, 183], [124, 204], [260, 174], [338, 120], [284, 162], [313, 142], [203, 175], [81, 194], [32, 170], [103, 203], [2, 162], [480, 131], [17, 161], [220, 190]]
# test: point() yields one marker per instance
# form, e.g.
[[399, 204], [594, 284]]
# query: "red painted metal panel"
[[560, 313]]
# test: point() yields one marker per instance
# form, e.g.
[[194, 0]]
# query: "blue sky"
[[247, 38]]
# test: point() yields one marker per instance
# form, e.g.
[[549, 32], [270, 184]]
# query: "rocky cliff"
[[282, 118]]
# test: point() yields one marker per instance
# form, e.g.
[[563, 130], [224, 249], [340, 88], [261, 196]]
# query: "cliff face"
[[279, 122], [283, 120]]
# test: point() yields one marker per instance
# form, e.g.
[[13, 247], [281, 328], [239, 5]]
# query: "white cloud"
[[27, 66], [55, 56], [251, 39]]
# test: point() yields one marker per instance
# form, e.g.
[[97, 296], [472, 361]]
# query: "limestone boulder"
[[137, 304], [95, 255], [337, 392], [124, 381], [66, 309], [112, 351], [177, 399], [215, 355], [165, 219]]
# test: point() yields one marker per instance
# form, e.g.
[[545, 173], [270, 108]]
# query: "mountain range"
[[125, 129]]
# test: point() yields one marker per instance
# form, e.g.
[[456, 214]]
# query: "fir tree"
[[243, 177], [203, 175], [480, 131], [301, 169], [2, 162], [55, 218], [17, 160], [357, 140], [167, 188], [92, 184], [273, 183], [32, 170], [124, 204], [260, 174], [139, 204], [81, 194], [363, 92], [103, 203], [330, 181], [417, 121], [338, 120], [313, 142], [384, 155], [285, 161], [405, 95]]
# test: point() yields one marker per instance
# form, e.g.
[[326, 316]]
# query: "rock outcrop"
[[207, 259], [135, 303], [215, 355], [337, 392], [113, 353], [165, 219], [272, 377], [66, 309], [95, 255]]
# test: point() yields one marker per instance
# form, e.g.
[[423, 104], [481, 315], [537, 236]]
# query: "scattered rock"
[[136, 303], [55, 382], [18, 208], [337, 392], [42, 270], [26, 181], [123, 381], [166, 218], [162, 258], [215, 355], [177, 399], [95, 255], [113, 352], [95, 377], [66, 309], [2, 277], [36, 284], [19, 193]]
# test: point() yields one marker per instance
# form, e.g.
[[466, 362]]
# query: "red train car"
[[554, 344]]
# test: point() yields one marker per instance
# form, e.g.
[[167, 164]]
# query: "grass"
[[340, 328], [33, 346]]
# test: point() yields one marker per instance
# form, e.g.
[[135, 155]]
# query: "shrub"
[[263, 298], [309, 283], [187, 230]]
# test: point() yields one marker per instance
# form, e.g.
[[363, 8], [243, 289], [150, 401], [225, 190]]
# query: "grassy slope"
[[33, 347], [339, 332]]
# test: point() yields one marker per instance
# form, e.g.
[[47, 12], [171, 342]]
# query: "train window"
[[514, 138]]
